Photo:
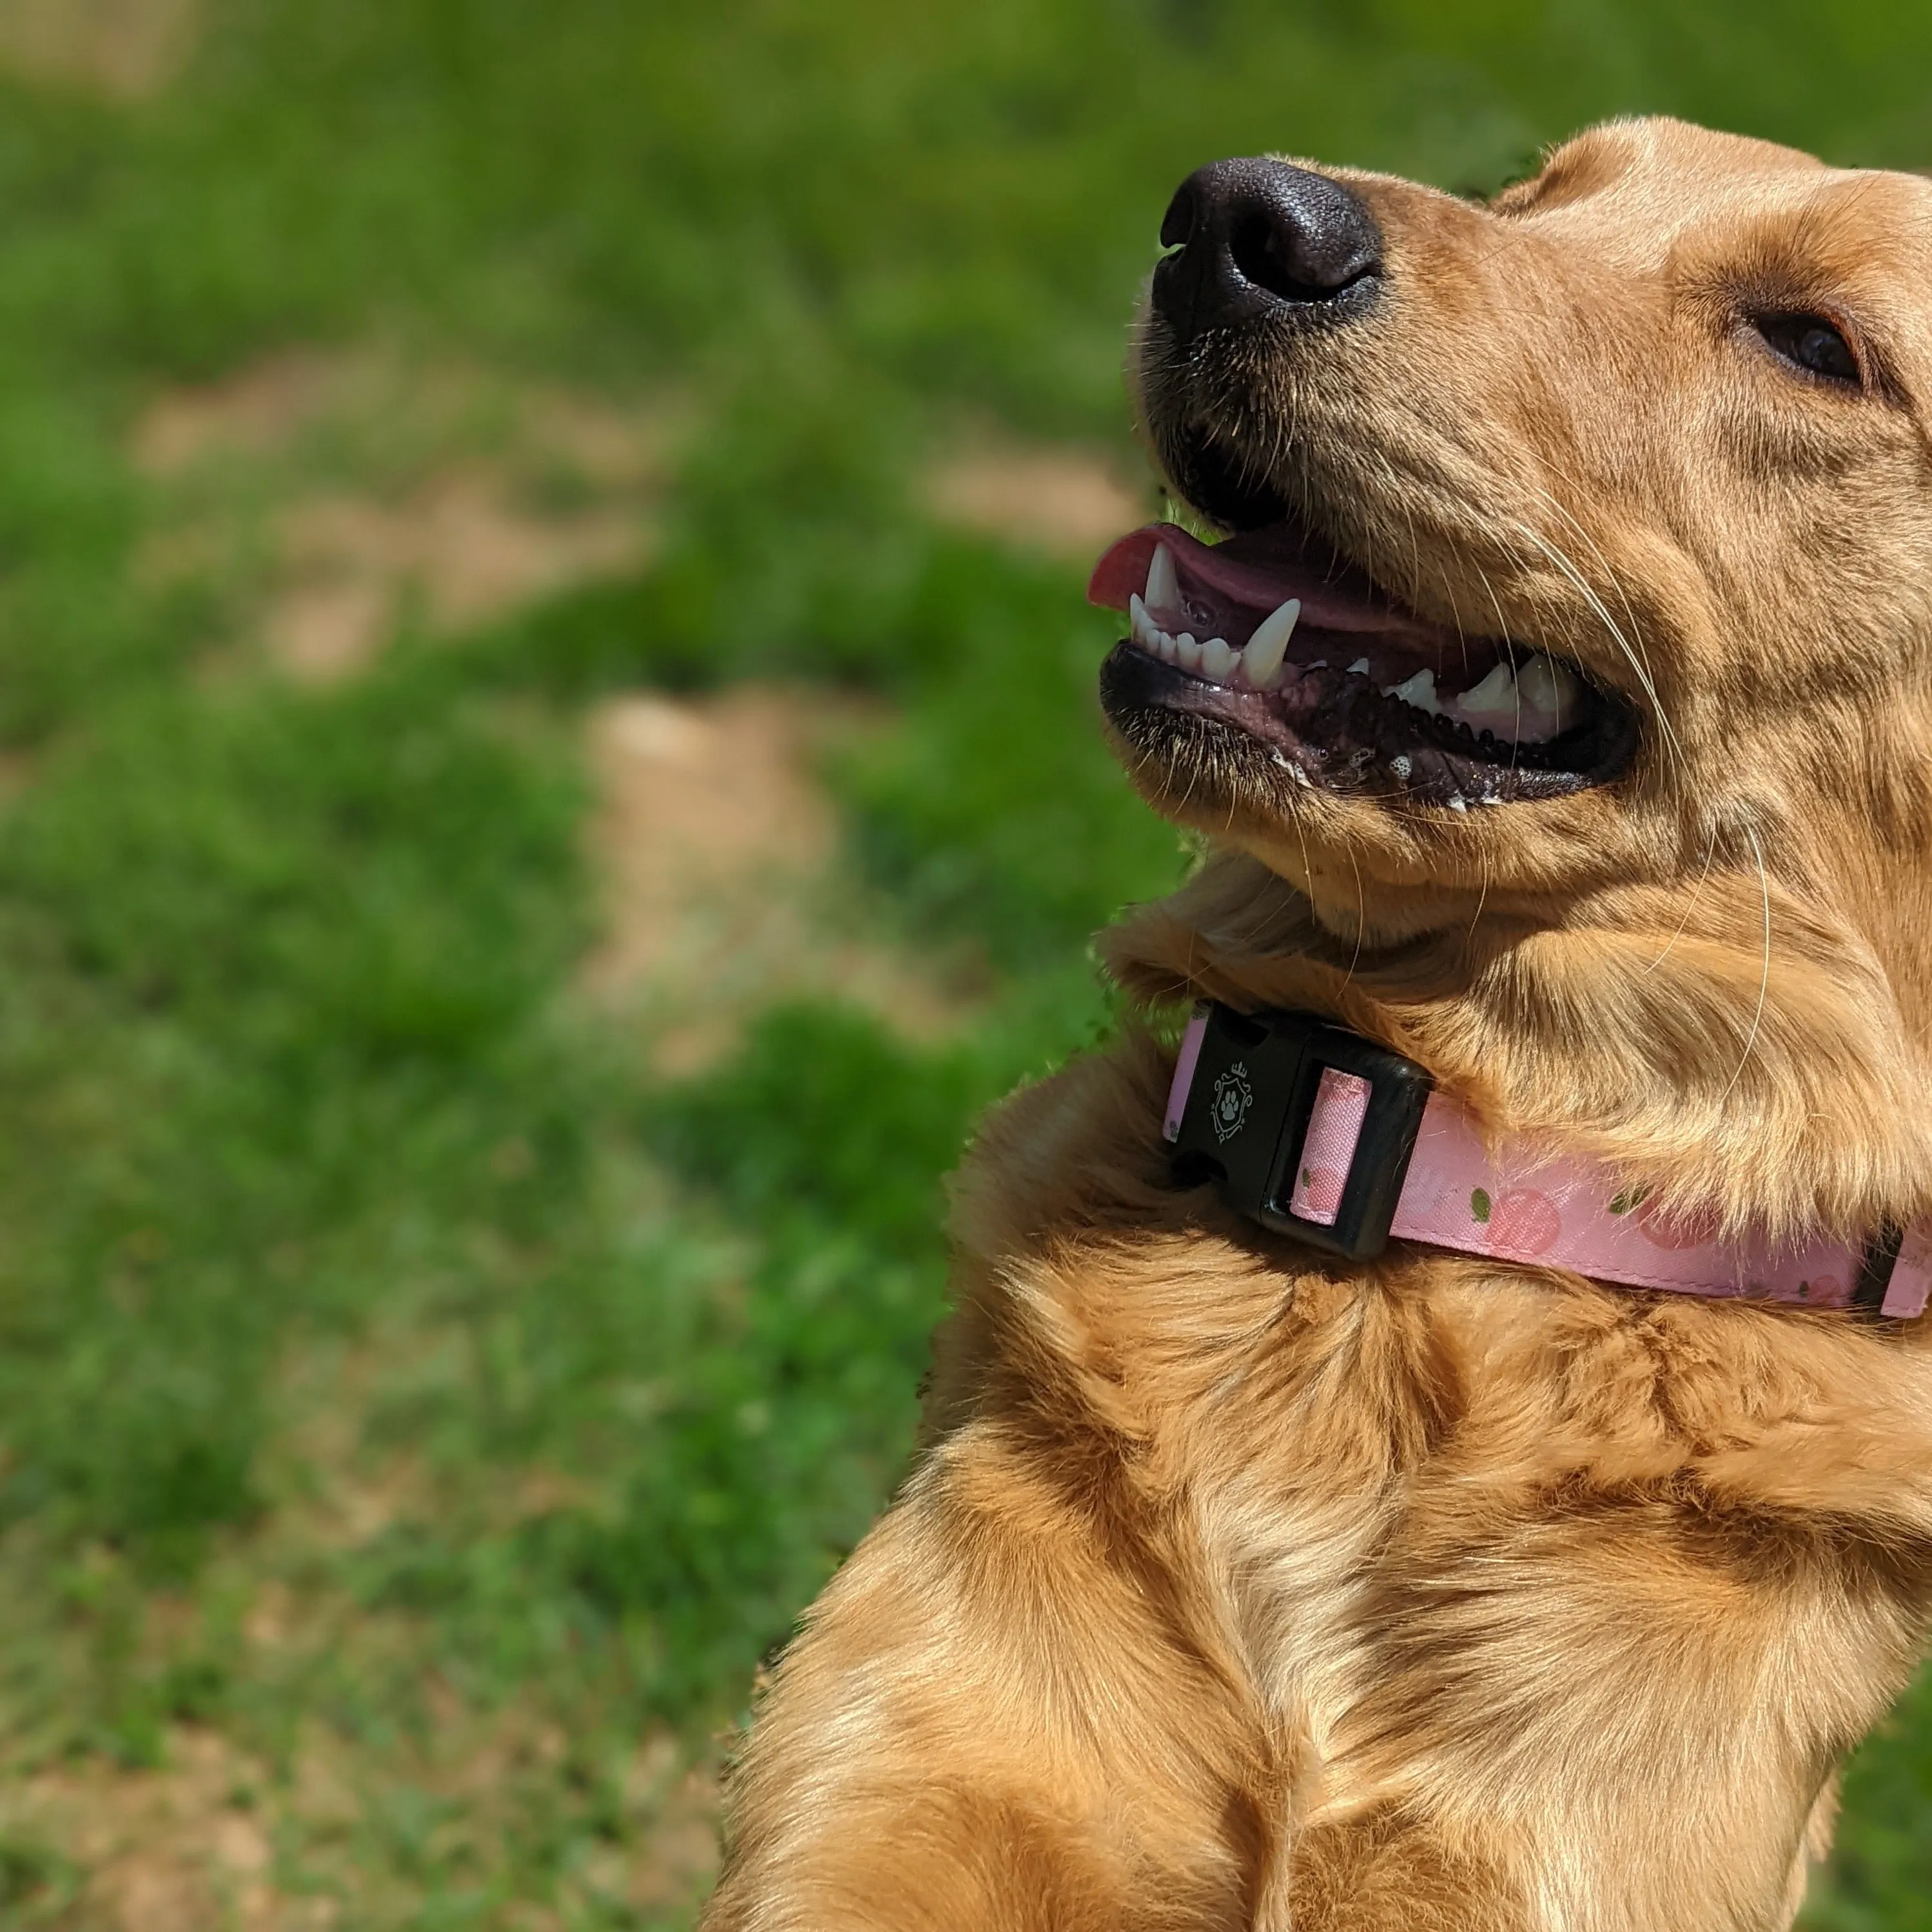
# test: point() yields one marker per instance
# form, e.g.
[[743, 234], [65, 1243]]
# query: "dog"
[[1243, 1581]]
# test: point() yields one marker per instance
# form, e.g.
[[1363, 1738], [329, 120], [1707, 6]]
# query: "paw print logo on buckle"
[[1233, 1098]]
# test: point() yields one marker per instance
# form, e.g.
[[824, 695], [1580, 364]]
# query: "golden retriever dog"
[[1244, 1583]]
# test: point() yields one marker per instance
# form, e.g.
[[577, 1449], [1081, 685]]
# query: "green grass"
[[407, 1396]]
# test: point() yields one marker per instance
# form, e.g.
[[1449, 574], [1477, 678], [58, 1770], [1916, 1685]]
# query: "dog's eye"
[[1811, 343]]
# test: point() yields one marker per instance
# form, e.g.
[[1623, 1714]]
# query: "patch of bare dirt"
[[681, 1850], [173, 1850], [462, 543], [257, 410], [1068, 501], [342, 491], [718, 849], [124, 49], [213, 1838]]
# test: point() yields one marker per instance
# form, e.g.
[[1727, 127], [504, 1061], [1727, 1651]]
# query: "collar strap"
[[1317, 1132]]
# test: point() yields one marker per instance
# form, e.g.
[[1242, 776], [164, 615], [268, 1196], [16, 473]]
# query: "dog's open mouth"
[[1270, 635]]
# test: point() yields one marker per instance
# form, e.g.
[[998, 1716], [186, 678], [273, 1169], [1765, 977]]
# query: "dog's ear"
[[1768, 1082]]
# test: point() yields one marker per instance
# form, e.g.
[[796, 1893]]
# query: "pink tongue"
[[1259, 571]]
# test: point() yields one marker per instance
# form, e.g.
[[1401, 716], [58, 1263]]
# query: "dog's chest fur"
[[1573, 1563]]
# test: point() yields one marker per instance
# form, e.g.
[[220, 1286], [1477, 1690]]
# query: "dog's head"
[[1568, 665]]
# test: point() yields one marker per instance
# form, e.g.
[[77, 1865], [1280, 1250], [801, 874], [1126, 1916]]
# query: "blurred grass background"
[[456, 457]]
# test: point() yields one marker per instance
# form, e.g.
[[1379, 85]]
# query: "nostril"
[[1263, 255], [1259, 236], [1301, 236]]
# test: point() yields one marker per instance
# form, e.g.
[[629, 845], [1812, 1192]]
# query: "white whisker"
[[1616, 582], [1764, 978], [1690, 905], [1564, 563]]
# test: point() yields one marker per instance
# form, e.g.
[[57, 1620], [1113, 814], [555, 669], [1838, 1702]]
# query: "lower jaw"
[[1353, 744]]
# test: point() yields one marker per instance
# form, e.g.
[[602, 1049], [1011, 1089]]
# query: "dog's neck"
[[1779, 1088]]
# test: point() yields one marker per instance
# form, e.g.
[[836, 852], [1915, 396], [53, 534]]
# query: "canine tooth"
[[1218, 661], [1458, 803], [1187, 651], [1360, 668], [1419, 690], [1548, 686], [1163, 584], [1495, 696], [1263, 652]]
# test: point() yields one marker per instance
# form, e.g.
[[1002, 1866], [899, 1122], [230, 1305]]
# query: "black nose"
[[1258, 238]]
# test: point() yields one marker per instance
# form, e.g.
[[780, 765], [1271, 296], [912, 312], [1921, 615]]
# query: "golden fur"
[[1233, 1589]]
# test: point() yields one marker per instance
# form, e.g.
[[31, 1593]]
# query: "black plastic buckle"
[[1247, 1113], [1881, 1257]]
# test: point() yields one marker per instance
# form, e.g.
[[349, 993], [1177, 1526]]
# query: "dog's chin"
[[1267, 662]]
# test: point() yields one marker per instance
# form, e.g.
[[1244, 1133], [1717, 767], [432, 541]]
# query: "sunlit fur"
[[1233, 1589]]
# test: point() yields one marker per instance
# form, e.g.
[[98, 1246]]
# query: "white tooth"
[[1187, 651], [1163, 584], [1419, 690], [1163, 644], [1548, 687], [1458, 803], [1140, 627], [1218, 661], [1263, 652], [1495, 696], [1360, 668]]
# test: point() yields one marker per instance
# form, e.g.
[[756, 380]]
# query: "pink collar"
[[1316, 1132]]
